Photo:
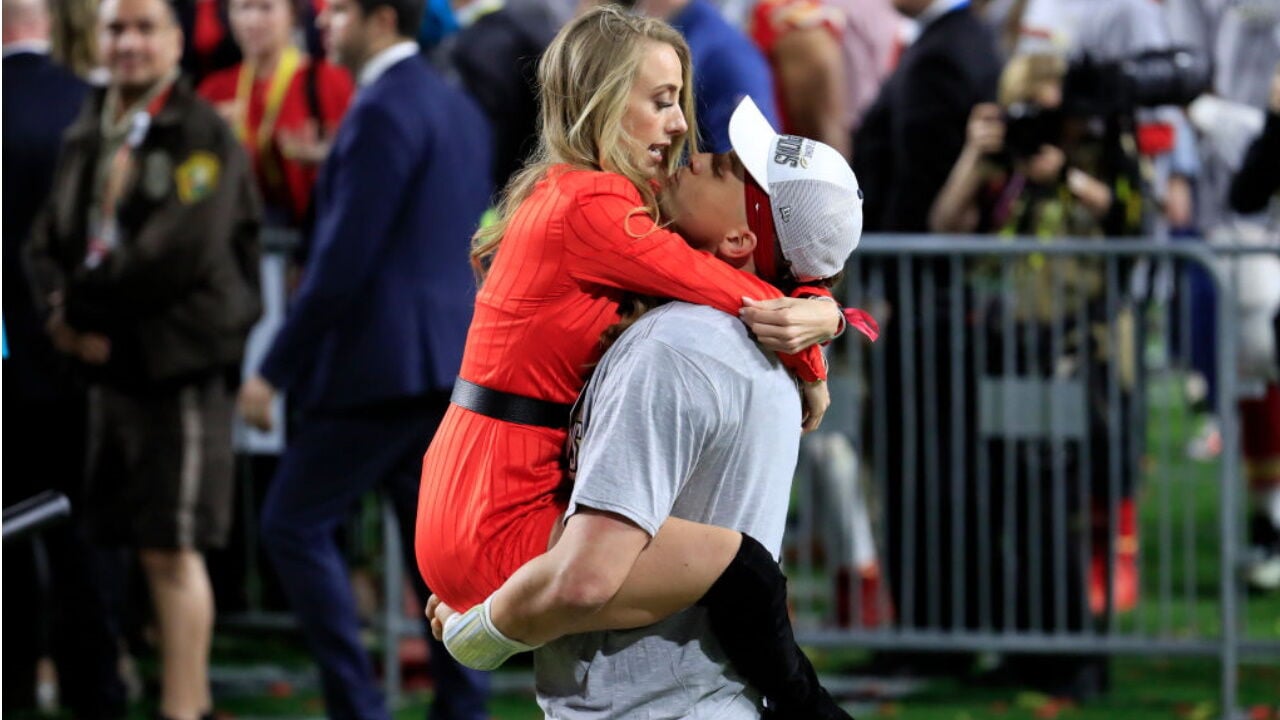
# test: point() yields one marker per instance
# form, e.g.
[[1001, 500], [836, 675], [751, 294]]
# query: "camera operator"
[[1029, 168]]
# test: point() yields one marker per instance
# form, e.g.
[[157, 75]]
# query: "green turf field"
[[1177, 494]]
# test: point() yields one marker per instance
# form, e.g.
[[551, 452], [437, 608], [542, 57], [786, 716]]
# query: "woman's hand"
[[1045, 167], [304, 145], [984, 134], [816, 401], [437, 613], [1274, 105], [789, 325], [1092, 192]]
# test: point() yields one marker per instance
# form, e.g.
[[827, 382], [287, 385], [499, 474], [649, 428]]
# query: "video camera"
[[1107, 90]]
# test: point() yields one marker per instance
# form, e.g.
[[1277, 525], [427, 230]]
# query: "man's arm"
[[550, 596], [811, 74], [646, 422]]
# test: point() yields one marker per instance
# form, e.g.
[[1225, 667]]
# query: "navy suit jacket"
[[41, 99], [387, 290]]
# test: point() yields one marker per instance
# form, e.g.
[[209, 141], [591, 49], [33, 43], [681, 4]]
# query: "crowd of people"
[[148, 144]]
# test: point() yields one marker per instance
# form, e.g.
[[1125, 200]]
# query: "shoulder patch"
[[197, 177]]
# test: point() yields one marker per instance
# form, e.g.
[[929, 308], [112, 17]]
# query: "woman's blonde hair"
[[584, 81], [1024, 74]]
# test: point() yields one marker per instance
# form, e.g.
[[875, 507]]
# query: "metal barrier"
[[1017, 487], [999, 424]]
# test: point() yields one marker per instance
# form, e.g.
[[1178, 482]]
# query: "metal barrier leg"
[[1229, 510]]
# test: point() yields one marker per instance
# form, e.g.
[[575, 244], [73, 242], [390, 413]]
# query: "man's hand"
[[1177, 202], [789, 325], [438, 613], [816, 401], [256, 396], [229, 111], [64, 338], [93, 349]]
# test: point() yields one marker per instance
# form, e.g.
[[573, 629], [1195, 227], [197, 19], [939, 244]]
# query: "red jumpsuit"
[[488, 499]]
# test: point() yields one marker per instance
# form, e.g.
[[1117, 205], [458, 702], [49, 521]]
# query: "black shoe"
[[1262, 561], [1079, 679]]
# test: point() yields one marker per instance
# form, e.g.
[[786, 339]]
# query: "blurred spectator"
[[74, 41], [913, 133], [1257, 183], [284, 106], [1240, 42], [1043, 175], [373, 340], [495, 55], [903, 153], [1259, 176], [145, 265], [727, 66], [208, 45], [44, 442], [1110, 30], [829, 60], [1001, 179]]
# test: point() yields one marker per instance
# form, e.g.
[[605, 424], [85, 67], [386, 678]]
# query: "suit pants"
[[334, 458]]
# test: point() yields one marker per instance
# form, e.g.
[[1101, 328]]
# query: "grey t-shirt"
[[685, 416]]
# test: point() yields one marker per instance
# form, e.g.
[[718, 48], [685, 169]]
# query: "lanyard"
[[259, 137], [103, 229]]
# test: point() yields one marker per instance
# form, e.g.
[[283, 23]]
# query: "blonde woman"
[[576, 230]]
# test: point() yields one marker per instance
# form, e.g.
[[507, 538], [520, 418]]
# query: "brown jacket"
[[180, 292]]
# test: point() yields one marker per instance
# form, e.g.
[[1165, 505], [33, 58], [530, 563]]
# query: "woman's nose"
[[677, 126]]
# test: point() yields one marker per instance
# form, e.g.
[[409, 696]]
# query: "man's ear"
[[737, 245], [387, 19]]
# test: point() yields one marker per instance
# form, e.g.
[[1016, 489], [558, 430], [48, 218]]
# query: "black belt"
[[509, 406]]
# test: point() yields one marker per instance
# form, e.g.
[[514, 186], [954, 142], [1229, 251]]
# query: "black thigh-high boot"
[[747, 608]]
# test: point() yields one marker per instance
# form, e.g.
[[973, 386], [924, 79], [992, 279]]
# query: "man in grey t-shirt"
[[686, 417]]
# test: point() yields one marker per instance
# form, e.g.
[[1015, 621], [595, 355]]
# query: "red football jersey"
[[488, 498]]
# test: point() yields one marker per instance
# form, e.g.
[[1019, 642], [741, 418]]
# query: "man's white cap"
[[815, 198]]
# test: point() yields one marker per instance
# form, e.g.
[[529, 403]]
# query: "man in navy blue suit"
[[45, 438], [373, 340]]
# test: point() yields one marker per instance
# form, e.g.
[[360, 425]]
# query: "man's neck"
[[130, 96], [25, 43], [376, 47]]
